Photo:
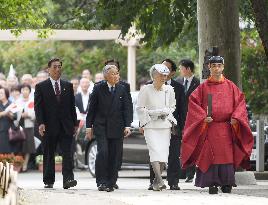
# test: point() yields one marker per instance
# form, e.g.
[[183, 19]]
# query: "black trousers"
[[174, 166], [108, 159], [50, 143]]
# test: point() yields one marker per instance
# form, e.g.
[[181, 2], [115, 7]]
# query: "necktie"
[[185, 86], [112, 90], [57, 89]]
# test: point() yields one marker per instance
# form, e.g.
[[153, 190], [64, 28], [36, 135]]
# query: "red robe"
[[218, 142]]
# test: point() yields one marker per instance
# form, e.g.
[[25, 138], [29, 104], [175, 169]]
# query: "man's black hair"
[[187, 63], [53, 60], [173, 64]]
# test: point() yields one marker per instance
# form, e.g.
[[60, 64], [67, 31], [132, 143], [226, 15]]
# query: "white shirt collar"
[[189, 79], [169, 82], [109, 85], [87, 94], [53, 81]]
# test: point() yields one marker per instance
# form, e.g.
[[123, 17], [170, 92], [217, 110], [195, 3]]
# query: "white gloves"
[[165, 111], [155, 114]]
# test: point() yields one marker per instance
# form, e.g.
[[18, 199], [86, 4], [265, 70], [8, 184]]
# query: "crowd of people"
[[17, 110], [200, 128]]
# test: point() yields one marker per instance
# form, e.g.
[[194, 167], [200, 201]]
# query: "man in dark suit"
[[174, 168], [190, 83], [127, 87], [56, 117], [82, 98], [109, 117], [188, 80]]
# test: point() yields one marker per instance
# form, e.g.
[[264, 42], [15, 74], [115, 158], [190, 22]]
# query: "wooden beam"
[[62, 35]]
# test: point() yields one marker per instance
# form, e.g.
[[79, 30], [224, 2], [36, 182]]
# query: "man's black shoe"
[[150, 187], [115, 186], [102, 187], [189, 180], [226, 189], [69, 183], [175, 187], [213, 190], [109, 189], [47, 186]]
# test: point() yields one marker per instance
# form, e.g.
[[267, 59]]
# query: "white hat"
[[160, 68]]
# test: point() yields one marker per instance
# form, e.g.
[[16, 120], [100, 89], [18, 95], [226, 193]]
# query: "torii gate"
[[83, 35]]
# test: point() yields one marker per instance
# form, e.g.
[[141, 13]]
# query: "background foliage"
[[22, 14], [254, 71], [170, 28]]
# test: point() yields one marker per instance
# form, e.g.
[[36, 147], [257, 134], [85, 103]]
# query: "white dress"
[[155, 108]]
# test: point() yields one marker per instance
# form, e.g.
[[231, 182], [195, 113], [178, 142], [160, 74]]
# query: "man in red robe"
[[219, 143]]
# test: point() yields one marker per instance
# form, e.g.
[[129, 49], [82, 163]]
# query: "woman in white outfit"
[[155, 105]]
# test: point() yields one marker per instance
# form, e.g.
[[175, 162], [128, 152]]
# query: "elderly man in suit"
[[190, 83], [109, 118], [127, 87], [82, 98], [54, 106], [174, 168]]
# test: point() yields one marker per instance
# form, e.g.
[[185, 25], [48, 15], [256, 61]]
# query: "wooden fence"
[[8, 184]]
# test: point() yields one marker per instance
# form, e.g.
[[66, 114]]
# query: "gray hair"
[[107, 68], [152, 72]]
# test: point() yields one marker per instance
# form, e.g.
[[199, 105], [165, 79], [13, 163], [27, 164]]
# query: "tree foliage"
[[254, 71], [256, 12], [160, 20], [22, 14], [32, 56]]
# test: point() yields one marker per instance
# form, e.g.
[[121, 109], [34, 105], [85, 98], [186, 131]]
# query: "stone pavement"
[[133, 191]]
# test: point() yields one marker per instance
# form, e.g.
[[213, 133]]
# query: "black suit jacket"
[[79, 103], [180, 111], [53, 113], [109, 114], [127, 88], [194, 84], [126, 85]]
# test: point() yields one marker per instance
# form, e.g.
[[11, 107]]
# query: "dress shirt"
[[53, 84], [90, 88], [189, 81], [109, 86], [85, 98]]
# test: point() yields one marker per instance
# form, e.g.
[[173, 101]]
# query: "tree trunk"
[[261, 20], [218, 25]]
